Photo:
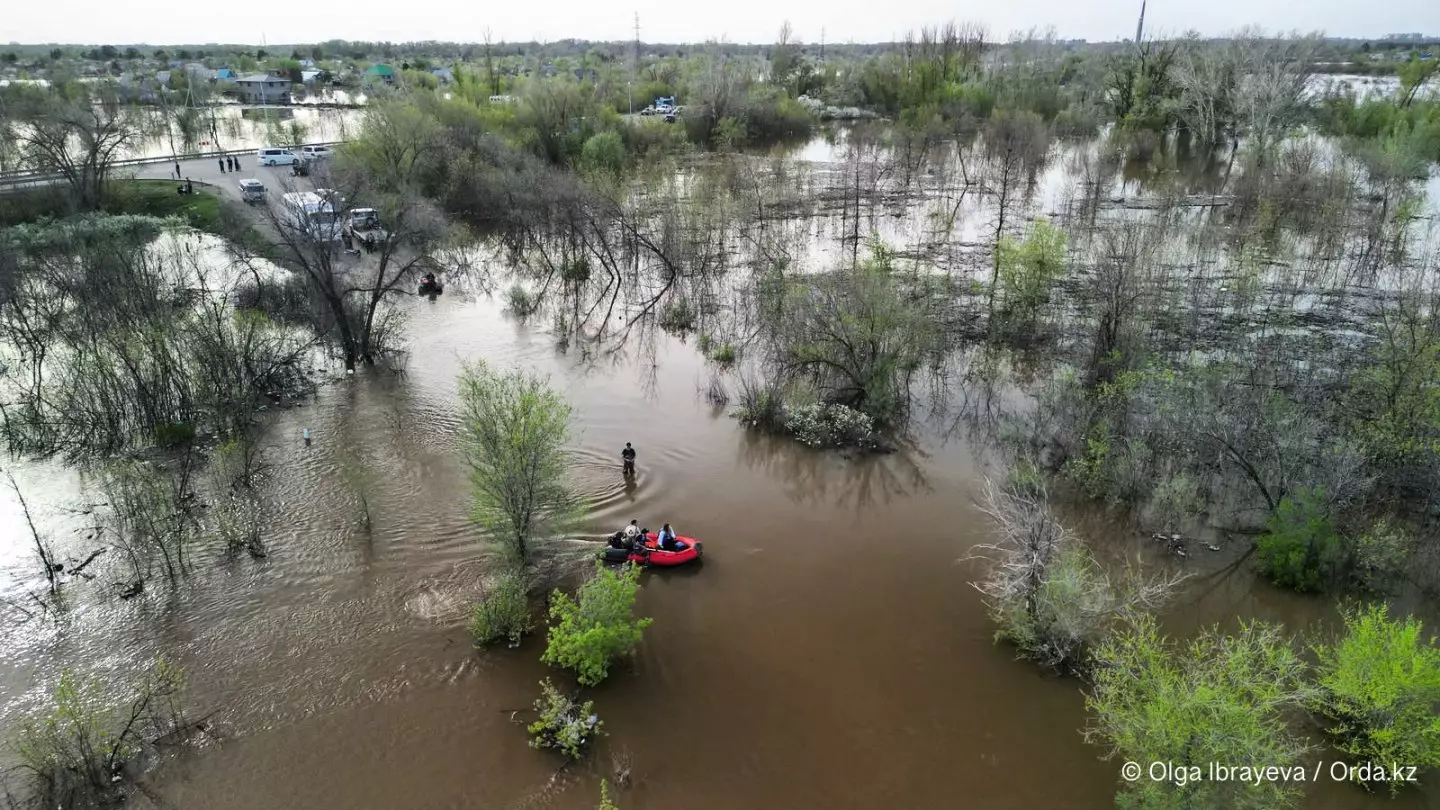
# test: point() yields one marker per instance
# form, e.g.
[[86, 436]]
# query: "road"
[[207, 170]]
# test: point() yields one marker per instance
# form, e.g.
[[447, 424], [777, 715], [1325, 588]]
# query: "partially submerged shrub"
[[1381, 555], [723, 354], [826, 425], [1300, 548], [1174, 499], [78, 747], [678, 316], [503, 612], [1217, 699], [1046, 593], [1379, 686], [605, 803], [563, 724], [762, 405], [520, 302], [588, 633]]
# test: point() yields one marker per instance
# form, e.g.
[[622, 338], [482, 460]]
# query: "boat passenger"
[[632, 533], [667, 541]]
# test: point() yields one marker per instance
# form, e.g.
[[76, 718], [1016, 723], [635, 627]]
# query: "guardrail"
[[25, 177]]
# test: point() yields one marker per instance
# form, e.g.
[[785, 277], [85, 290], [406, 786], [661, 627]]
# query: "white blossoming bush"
[[822, 425]]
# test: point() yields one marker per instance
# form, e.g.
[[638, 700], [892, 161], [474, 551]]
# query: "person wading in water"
[[628, 454]]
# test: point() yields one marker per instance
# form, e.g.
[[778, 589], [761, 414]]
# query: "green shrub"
[[589, 633], [723, 354], [1025, 479], [762, 406], [503, 612], [520, 302], [1218, 699], [1174, 499], [604, 152], [1381, 555], [563, 724], [1379, 687], [678, 316], [1056, 622], [605, 803], [1300, 548]]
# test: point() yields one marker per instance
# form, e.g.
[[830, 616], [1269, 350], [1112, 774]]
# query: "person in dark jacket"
[[222, 165], [628, 455]]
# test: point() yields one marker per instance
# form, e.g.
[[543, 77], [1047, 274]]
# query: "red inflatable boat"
[[651, 554]]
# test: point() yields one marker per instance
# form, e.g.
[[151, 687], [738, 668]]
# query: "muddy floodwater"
[[829, 653]]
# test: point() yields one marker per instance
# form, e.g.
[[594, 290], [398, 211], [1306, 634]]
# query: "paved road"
[[207, 170]]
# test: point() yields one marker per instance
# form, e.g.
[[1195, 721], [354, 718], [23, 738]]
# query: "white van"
[[315, 152], [276, 156]]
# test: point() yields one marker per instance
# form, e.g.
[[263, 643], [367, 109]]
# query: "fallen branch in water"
[[81, 567]]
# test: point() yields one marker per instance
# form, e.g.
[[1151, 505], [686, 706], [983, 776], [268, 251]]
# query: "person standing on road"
[[234, 164], [177, 170], [222, 165]]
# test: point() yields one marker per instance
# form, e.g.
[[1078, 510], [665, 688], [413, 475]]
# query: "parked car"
[[276, 156], [648, 111], [252, 191], [315, 152]]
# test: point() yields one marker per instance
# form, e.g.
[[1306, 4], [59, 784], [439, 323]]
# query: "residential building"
[[263, 89]]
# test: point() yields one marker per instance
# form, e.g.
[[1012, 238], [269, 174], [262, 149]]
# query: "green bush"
[[604, 152], [678, 316], [1300, 548], [1218, 699], [1379, 687], [503, 612], [1381, 555], [605, 803], [1056, 623], [723, 354], [589, 633], [563, 724], [520, 301]]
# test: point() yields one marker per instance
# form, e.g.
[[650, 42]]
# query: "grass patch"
[[156, 198]]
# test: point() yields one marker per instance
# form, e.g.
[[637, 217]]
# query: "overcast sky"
[[165, 21]]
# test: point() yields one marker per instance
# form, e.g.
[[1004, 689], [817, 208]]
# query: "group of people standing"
[[231, 162]]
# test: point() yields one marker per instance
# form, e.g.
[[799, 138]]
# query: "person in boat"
[[628, 454], [666, 540], [632, 533]]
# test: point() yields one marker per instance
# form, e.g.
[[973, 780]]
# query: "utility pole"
[[1140, 26], [635, 63], [822, 43]]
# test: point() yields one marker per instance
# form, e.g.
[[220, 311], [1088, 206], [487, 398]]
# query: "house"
[[163, 77], [384, 73], [312, 76], [581, 74], [445, 75], [263, 89], [307, 63], [224, 75]]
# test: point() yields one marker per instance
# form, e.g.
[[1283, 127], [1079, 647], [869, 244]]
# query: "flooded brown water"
[[829, 652]]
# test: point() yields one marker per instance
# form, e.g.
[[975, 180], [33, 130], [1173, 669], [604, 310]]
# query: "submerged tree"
[[513, 435], [78, 132]]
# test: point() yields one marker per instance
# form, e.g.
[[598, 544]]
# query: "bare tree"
[[79, 133]]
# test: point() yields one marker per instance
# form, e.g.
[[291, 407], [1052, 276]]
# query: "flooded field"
[[829, 653]]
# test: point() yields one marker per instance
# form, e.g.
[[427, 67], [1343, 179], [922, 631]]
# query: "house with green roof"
[[384, 73]]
